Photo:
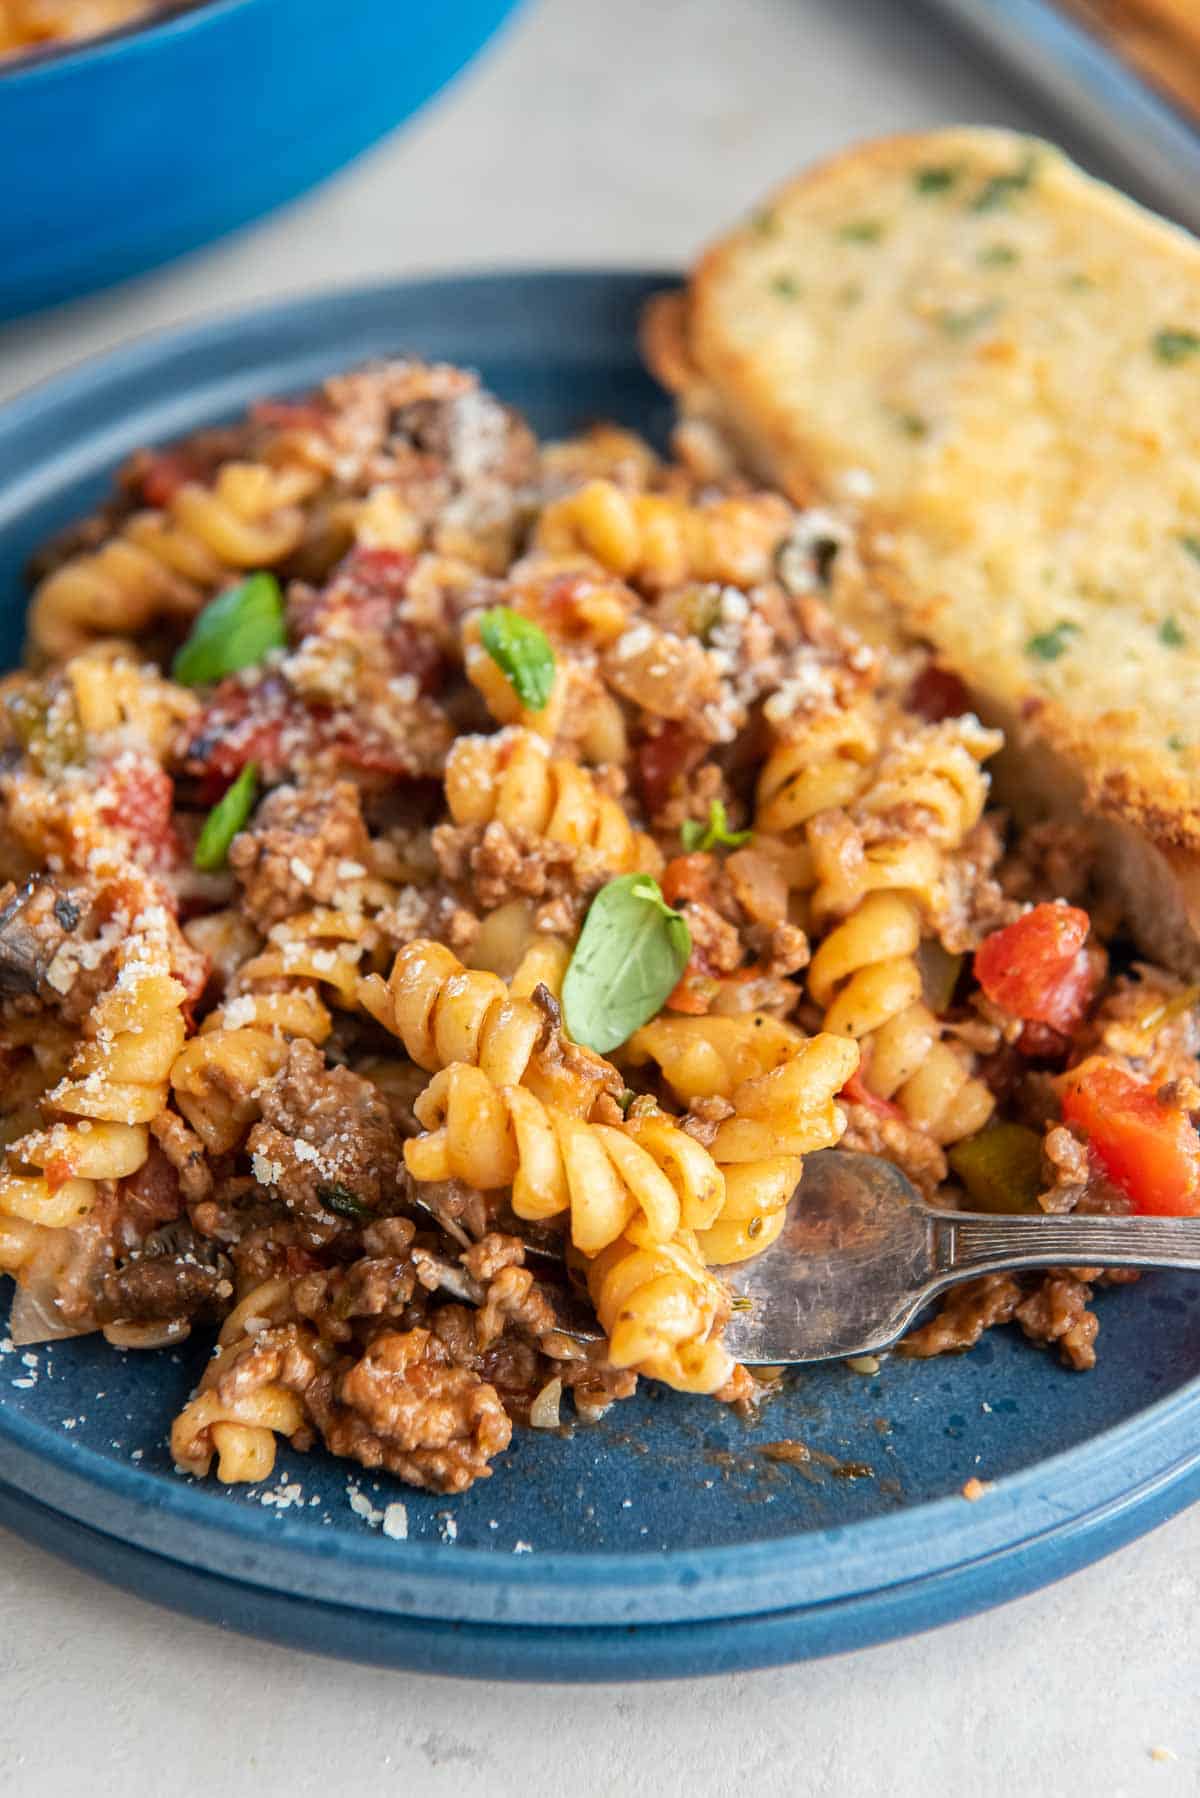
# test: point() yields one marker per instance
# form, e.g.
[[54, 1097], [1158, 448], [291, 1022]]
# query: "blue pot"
[[120, 154]]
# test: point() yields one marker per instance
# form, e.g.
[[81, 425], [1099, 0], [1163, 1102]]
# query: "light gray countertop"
[[598, 133]]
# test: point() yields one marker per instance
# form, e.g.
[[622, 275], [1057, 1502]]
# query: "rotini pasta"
[[661, 1311], [823, 760], [658, 541], [95, 1119], [866, 976], [445, 1013], [933, 778], [232, 1419], [277, 996], [510, 779], [706, 1058], [602, 1175], [166, 563], [30, 24], [306, 968]]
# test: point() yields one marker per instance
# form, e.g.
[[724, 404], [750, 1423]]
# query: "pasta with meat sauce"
[[421, 846]]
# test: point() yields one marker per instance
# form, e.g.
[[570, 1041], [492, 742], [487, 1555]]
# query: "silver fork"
[[861, 1253]]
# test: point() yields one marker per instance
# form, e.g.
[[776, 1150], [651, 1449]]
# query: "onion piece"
[[543, 1412], [36, 1317]]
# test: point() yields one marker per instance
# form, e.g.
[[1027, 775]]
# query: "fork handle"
[[967, 1242]]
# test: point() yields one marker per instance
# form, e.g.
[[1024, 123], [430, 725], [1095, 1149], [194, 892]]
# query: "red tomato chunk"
[[139, 799], [1036, 967], [1149, 1149], [857, 1092]]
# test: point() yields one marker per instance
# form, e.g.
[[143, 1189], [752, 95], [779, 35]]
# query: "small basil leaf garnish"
[[628, 960], [225, 820], [702, 837], [236, 630], [522, 652]]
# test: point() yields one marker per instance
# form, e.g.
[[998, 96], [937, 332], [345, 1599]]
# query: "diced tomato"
[[689, 877], [164, 472], [937, 693], [243, 724], [857, 1092], [1037, 968], [363, 598], [58, 1170], [139, 800], [694, 994], [1147, 1148], [662, 761]]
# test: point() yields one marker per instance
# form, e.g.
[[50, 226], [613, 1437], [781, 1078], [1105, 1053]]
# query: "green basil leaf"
[[522, 652], [226, 819], [1171, 633], [629, 958], [234, 631], [702, 837]]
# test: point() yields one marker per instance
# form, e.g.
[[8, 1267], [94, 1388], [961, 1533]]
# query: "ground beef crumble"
[[304, 845], [325, 1144], [405, 1406]]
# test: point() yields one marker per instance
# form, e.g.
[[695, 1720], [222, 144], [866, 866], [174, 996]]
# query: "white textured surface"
[[598, 132]]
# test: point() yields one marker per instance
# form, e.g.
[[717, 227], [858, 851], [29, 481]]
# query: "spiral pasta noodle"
[[235, 1422], [96, 1117], [510, 945], [934, 775], [117, 697], [821, 761], [445, 1013], [602, 1175], [705, 1058], [782, 1087], [166, 563], [659, 541], [662, 1311], [778, 1118], [278, 996], [866, 978], [512, 780]]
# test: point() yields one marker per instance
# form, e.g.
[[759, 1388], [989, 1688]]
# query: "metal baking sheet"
[[1104, 100]]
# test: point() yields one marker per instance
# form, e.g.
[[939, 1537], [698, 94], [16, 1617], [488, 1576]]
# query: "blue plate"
[[660, 1540], [120, 153]]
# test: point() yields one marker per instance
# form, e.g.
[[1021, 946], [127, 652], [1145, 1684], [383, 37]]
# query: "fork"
[[862, 1253]]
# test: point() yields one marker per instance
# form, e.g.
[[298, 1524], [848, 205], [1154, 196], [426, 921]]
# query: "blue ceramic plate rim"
[[566, 1655], [119, 41], [1141, 1468]]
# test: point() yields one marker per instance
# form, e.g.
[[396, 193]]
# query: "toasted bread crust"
[[1009, 401]]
